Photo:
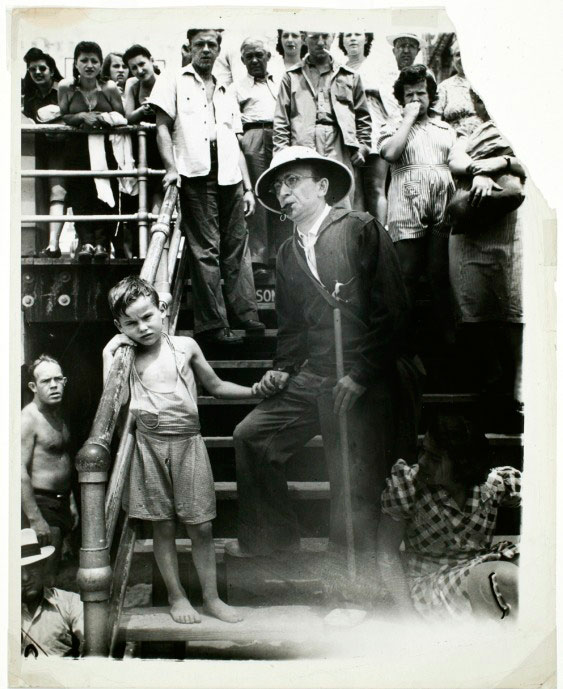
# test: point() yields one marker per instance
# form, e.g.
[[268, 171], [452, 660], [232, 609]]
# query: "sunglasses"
[[290, 181], [39, 68]]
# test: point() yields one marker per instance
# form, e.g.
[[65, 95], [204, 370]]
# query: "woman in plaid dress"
[[444, 509]]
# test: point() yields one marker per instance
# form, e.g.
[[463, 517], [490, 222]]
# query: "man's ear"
[[64, 380], [32, 386]]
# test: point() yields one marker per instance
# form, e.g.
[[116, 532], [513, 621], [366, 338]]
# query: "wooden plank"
[[241, 363], [495, 440], [273, 623], [269, 332], [298, 490], [144, 546], [119, 474], [121, 570], [436, 398]]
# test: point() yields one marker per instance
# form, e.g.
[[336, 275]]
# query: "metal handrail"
[[142, 173], [93, 464]]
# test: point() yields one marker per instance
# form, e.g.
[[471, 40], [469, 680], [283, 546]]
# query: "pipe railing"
[[142, 173], [93, 464]]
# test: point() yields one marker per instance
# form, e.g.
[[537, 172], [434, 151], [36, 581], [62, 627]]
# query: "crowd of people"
[[357, 185]]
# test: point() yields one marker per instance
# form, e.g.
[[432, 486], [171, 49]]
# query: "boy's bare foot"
[[222, 611], [182, 611]]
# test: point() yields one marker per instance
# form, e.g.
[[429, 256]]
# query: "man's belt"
[[256, 125], [58, 494]]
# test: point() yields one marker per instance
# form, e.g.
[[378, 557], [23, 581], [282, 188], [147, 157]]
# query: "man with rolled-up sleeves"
[[197, 123]]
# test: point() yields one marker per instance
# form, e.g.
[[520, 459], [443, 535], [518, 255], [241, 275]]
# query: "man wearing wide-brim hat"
[[51, 619], [335, 257]]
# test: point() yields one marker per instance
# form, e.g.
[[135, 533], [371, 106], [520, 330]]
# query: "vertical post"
[[162, 281], [344, 452], [143, 203], [94, 574]]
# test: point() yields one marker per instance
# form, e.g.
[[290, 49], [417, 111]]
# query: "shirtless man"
[[47, 499]]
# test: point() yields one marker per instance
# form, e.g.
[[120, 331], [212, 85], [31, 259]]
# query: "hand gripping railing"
[[142, 173], [93, 460]]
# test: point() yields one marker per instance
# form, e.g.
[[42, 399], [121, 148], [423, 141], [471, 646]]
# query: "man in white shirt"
[[256, 94], [197, 123], [51, 619]]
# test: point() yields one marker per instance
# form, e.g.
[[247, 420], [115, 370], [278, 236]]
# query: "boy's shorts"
[[171, 478]]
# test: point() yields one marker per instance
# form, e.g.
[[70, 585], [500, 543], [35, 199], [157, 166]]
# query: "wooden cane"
[[344, 452]]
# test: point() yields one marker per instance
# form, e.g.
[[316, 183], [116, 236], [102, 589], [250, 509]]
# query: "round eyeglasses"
[[290, 181]]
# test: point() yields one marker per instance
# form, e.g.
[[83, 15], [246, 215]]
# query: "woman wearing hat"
[[444, 509]]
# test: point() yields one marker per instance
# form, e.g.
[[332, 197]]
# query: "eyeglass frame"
[[294, 184]]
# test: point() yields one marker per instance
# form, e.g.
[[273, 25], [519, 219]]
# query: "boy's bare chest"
[[158, 372]]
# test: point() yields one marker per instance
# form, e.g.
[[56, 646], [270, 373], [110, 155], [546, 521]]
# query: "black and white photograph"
[[286, 350]]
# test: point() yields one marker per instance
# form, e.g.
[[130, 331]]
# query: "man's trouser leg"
[[200, 216], [254, 149], [264, 441], [236, 266], [370, 434]]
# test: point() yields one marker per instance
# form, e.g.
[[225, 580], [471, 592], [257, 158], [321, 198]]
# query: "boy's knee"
[[200, 532]]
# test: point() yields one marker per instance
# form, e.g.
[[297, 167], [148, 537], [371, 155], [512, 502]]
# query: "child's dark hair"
[[367, 44], [461, 437], [193, 32], [86, 47], [136, 50], [279, 46], [128, 290], [42, 358], [413, 75]]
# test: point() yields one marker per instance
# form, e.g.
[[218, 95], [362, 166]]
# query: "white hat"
[[31, 552], [339, 177], [407, 34]]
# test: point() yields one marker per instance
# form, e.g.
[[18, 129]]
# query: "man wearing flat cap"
[[335, 257], [52, 621]]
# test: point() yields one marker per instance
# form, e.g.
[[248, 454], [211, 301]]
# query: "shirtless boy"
[[47, 500], [170, 476]]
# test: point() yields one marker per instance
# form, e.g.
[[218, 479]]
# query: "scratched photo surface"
[[347, 548]]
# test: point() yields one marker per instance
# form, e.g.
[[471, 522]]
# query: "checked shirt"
[[444, 542]]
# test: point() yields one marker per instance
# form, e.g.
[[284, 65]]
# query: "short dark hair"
[[128, 290], [462, 438], [193, 32], [29, 88], [279, 46], [367, 44], [412, 75], [136, 50], [41, 359]]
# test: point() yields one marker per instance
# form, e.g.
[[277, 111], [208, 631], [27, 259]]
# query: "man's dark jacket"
[[355, 251]]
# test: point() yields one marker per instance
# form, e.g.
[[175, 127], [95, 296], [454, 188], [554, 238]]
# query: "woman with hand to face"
[[83, 101]]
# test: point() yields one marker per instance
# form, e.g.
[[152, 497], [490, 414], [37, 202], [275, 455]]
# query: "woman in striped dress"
[[419, 149]]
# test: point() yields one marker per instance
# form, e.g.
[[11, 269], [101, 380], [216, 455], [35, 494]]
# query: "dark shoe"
[[100, 254], [220, 336], [86, 253], [252, 326], [51, 253]]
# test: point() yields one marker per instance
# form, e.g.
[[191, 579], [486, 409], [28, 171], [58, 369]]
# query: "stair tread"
[[495, 440], [271, 623], [430, 398], [269, 332], [184, 545]]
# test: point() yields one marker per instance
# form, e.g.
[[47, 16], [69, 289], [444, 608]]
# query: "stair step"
[[269, 332], [495, 440], [266, 624], [434, 398], [298, 490], [144, 546], [241, 363]]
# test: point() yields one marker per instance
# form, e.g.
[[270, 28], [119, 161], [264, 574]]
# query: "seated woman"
[[445, 509], [40, 89], [84, 101], [115, 68]]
